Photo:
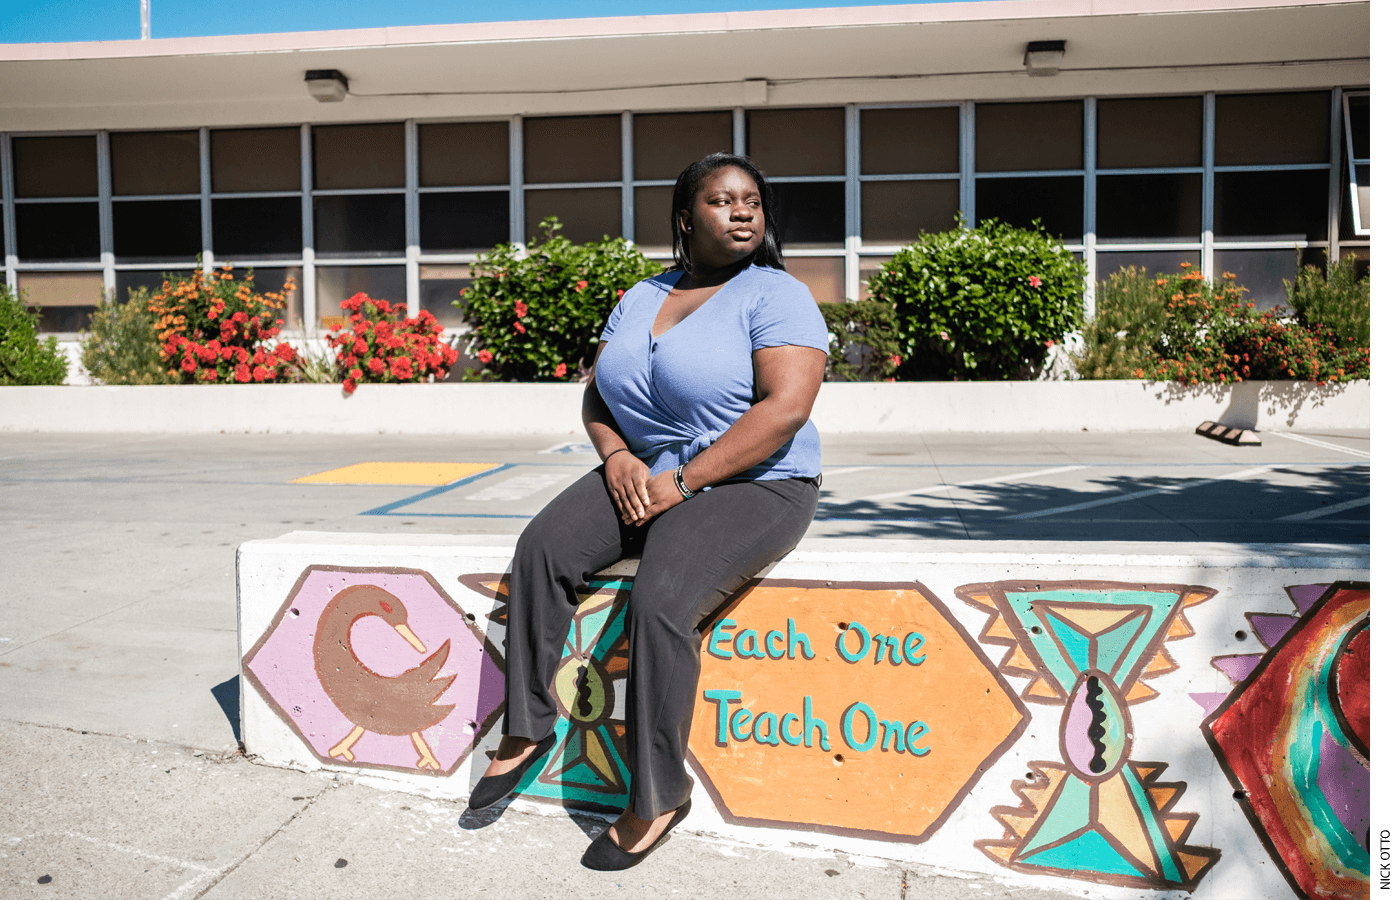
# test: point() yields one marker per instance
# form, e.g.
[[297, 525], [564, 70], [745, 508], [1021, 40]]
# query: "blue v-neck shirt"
[[674, 395]]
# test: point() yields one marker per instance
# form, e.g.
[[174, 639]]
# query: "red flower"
[[580, 286], [240, 317], [375, 365], [356, 374], [348, 386], [486, 356], [226, 354], [360, 326], [208, 375], [360, 348], [242, 374], [285, 352], [897, 360], [261, 373], [520, 328], [188, 365], [620, 292], [1049, 342], [561, 370], [1035, 281], [401, 368], [521, 309]]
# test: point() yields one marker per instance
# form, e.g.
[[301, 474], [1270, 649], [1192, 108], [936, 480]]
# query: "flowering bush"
[[1184, 327], [376, 346], [864, 343], [120, 345], [985, 303], [25, 358], [215, 329], [537, 316]]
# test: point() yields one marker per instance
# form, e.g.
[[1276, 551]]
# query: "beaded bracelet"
[[679, 474]]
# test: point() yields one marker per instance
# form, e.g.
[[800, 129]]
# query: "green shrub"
[[120, 346], [537, 316], [24, 358], [1338, 301], [865, 341], [984, 303], [1184, 327]]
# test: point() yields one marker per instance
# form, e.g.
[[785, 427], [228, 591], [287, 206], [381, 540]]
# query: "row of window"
[[244, 195]]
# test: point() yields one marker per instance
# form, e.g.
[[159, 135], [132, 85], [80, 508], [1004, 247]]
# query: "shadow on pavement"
[[226, 694]]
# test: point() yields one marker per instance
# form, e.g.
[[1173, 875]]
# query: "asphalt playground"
[[119, 659]]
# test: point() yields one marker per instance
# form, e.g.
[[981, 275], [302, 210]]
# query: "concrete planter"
[[842, 408]]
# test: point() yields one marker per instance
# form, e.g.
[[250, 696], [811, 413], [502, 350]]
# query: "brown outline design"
[[1020, 823], [1265, 660], [478, 582], [873, 834], [471, 625]]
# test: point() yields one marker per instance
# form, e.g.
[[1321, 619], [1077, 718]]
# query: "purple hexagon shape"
[[378, 668]]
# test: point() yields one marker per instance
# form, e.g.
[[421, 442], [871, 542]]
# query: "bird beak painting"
[[412, 638]]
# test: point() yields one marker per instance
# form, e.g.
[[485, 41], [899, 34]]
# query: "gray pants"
[[693, 558]]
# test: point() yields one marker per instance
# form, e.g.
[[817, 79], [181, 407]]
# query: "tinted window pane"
[[67, 299], [253, 227], [467, 221], [1013, 136], [256, 159], [651, 207], [55, 166], [438, 286], [1149, 206], [463, 153], [811, 214], [1271, 205], [153, 230], [908, 141], [1356, 215], [363, 224], [337, 283], [129, 280], [1149, 131], [1155, 262], [798, 141], [893, 212], [587, 214], [1258, 129], [1261, 271], [824, 276], [358, 156], [1359, 110], [1057, 202], [663, 145], [869, 265], [272, 280], [57, 231], [155, 162], [573, 148]]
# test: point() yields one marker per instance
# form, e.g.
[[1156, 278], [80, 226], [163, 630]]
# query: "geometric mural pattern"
[[1294, 737], [1096, 814], [587, 768]]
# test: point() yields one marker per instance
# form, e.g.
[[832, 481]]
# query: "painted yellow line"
[[404, 473]]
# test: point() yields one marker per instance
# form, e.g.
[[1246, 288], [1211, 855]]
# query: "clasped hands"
[[638, 495]]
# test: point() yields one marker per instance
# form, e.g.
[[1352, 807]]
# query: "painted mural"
[[378, 668], [851, 708], [1294, 737], [1098, 813], [587, 769]]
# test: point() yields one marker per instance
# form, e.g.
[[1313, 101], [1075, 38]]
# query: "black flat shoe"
[[604, 855], [492, 788]]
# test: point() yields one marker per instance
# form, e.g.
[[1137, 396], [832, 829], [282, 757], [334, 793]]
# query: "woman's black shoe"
[[491, 788], [604, 855]]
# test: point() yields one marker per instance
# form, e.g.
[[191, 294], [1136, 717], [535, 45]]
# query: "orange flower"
[[561, 370]]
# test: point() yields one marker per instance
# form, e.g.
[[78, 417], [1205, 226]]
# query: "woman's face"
[[727, 222]]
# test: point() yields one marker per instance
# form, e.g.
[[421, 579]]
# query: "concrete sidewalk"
[[118, 649]]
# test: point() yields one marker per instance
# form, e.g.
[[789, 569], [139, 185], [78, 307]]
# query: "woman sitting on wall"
[[704, 381]]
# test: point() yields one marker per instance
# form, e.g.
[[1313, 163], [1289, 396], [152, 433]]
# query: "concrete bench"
[[1093, 716]]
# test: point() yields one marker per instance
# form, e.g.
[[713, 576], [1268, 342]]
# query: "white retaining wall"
[[969, 789], [1044, 406]]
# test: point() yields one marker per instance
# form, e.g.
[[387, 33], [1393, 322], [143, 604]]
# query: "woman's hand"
[[627, 478], [664, 494]]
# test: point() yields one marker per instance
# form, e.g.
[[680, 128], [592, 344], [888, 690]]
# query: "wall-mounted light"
[[1042, 57], [327, 85]]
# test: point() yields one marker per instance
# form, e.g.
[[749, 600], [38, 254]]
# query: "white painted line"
[[1325, 510], [995, 479], [1324, 444], [847, 470], [515, 488], [568, 447], [1121, 498]]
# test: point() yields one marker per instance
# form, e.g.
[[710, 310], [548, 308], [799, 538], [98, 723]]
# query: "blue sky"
[[101, 20]]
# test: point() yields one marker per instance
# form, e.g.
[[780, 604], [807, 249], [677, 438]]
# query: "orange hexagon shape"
[[850, 708]]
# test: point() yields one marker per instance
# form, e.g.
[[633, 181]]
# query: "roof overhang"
[[881, 54]]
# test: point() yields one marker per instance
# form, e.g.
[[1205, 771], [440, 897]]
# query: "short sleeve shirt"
[[675, 394]]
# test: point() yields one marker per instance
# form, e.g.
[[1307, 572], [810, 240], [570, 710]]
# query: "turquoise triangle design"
[[590, 626], [1113, 644], [1076, 644], [1066, 814], [1087, 853]]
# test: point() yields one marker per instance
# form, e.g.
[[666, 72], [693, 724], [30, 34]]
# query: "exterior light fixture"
[[1042, 57], [327, 85]]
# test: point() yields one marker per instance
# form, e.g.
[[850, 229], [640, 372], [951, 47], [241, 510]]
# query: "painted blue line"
[[390, 508], [423, 515]]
